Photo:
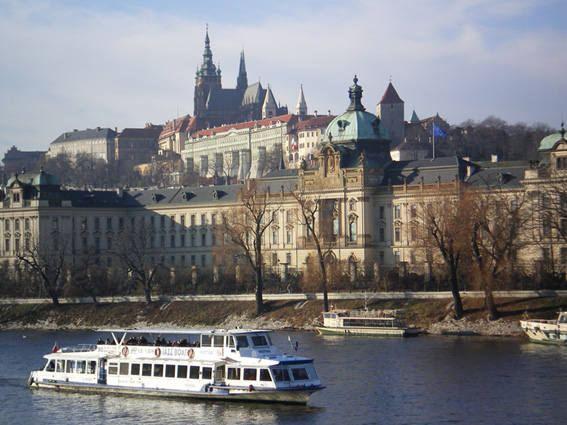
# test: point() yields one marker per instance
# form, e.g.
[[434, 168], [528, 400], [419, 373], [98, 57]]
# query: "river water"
[[423, 380]]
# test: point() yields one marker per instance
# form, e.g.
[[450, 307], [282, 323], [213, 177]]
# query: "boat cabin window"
[[135, 369], [92, 367], [124, 368], [158, 370], [147, 369], [60, 366], [249, 374], [259, 341], [242, 341], [281, 375], [218, 341], [194, 372], [563, 318], [265, 375], [170, 371], [113, 368], [230, 341], [50, 367], [70, 366], [207, 373], [206, 340], [182, 371], [234, 373], [299, 374]]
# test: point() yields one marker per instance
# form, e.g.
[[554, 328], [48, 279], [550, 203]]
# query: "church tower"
[[391, 111], [242, 79], [301, 109], [207, 78], [270, 107]]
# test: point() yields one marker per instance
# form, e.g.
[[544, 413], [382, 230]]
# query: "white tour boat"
[[232, 364], [546, 331], [365, 322]]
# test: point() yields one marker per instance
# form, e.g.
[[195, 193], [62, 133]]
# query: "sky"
[[68, 64]]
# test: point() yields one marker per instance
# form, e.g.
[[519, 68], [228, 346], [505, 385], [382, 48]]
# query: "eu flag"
[[437, 132]]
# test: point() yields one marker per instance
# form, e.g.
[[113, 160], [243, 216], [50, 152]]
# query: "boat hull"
[[363, 331], [286, 396], [545, 331]]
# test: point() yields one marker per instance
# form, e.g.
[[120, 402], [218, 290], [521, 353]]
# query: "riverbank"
[[432, 316]]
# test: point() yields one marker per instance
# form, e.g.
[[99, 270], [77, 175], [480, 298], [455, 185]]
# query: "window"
[[381, 257], [172, 221], [162, 221], [281, 375], [352, 231], [299, 374], [207, 373], [413, 257], [397, 234], [397, 211], [182, 218], [413, 210], [288, 236], [182, 240], [203, 220], [182, 371], [203, 260], [213, 219], [158, 370], [275, 217], [192, 260], [172, 241], [275, 237], [27, 224], [397, 257], [54, 223], [381, 212], [259, 341], [108, 223], [147, 369], [233, 373], [203, 239], [250, 374], [7, 225], [192, 219], [135, 369], [120, 223], [288, 258], [265, 375], [288, 216], [170, 371], [381, 234], [563, 255], [17, 224], [194, 372], [124, 368], [97, 223], [162, 241], [192, 239]]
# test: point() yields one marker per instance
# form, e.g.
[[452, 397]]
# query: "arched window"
[[352, 231]]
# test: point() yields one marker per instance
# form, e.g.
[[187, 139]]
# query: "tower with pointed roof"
[[301, 109], [390, 109], [207, 78], [242, 79], [270, 107]]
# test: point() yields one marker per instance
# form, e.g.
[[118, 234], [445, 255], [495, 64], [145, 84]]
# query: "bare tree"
[[318, 224], [46, 258], [246, 226], [496, 223], [131, 247], [442, 229]]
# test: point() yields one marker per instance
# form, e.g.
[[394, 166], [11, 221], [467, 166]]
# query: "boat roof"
[[80, 355], [177, 331]]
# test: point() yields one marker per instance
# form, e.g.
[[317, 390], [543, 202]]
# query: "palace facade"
[[368, 206]]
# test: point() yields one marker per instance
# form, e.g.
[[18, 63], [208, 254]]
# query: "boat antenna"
[[291, 344]]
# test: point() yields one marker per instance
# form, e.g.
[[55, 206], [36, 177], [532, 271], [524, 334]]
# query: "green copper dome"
[[549, 142], [356, 124], [38, 180]]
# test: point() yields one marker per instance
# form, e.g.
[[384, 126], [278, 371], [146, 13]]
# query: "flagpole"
[[433, 138]]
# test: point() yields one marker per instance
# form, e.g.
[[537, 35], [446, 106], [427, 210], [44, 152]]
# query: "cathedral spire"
[[208, 68], [242, 80], [301, 109]]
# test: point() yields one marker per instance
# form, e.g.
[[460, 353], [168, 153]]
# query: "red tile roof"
[[288, 119], [391, 95], [315, 122]]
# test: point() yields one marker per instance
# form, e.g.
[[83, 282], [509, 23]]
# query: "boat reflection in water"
[[234, 364]]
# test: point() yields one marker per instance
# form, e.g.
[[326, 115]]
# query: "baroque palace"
[[367, 202]]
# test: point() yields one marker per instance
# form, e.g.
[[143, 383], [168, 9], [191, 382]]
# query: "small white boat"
[[233, 364], [365, 322], [546, 331]]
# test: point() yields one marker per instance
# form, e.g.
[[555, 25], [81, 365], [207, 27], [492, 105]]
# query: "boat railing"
[[374, 313], [80, 348]]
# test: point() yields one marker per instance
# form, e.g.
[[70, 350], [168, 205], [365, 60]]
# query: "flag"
[[437, 132], [55, 348], [293, 144]]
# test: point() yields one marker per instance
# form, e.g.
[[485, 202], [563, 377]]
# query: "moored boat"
[[546, 331], [235, 364], [365, 322]]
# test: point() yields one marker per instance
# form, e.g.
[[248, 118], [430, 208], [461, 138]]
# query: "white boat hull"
[[392, 332], [545, 331], [291, 396]]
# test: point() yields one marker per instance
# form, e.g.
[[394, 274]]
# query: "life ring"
[[125, 351], [191, 353], [158, 352]]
